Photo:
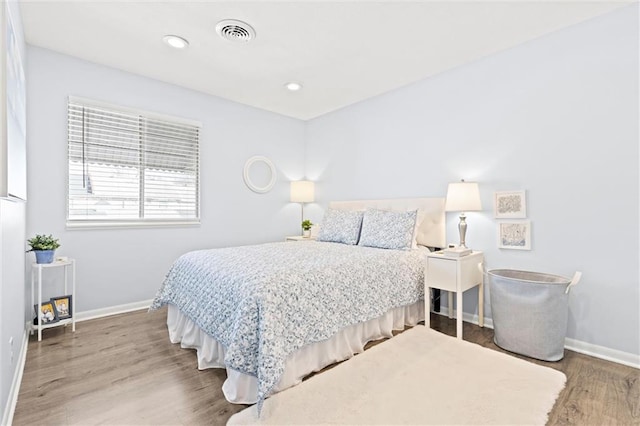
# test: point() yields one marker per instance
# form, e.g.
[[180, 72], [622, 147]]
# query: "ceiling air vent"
[[234, 30]]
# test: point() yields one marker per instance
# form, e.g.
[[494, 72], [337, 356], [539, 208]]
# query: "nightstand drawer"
[[442, 273]]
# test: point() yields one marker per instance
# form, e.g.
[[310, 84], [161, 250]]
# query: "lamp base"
[[462, 228], [457, 251]]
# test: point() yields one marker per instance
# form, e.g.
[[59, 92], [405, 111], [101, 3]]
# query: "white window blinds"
[[130, 167]]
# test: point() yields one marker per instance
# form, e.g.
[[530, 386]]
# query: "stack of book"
[[456, 251]]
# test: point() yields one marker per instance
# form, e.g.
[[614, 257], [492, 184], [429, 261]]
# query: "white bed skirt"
[[242, 388]]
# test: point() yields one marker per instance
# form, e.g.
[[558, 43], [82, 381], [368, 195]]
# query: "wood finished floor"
[[122, 370]]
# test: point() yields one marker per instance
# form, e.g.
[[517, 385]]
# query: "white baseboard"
[[608, 354], [12, 398], [602, 352], [106, 312], [113, 310], [466, 317]]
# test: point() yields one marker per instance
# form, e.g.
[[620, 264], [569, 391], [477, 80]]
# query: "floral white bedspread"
[[264, 302]]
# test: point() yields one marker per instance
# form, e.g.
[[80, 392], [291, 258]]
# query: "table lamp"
[[463, 197], [302, 191]]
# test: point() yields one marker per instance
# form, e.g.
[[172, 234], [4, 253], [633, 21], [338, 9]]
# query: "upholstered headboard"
[[431, 231]]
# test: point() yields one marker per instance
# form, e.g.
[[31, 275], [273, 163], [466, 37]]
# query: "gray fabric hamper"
[[530, 312]]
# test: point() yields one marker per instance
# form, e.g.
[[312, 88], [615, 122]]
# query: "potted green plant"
[[306, 228], [44, 246]]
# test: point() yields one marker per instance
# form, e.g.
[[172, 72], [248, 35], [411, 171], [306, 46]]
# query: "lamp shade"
[[302, 191], [463, 197]]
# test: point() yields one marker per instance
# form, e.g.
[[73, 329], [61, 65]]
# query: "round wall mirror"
[[259, 174]]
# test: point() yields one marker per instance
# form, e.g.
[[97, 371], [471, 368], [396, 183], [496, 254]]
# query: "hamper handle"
[[574, 281]]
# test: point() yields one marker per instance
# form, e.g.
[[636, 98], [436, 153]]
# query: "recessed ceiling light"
[[176, 41], [293, 86]]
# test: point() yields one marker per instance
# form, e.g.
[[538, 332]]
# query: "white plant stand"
[[36, 274]]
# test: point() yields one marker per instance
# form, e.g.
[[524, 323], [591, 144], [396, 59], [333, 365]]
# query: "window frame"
[[131, 222]]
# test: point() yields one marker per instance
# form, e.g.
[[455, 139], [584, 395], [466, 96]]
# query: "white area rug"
[[418, 377]]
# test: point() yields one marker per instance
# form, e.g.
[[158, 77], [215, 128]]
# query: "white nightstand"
[[300, 238], [454, 274]]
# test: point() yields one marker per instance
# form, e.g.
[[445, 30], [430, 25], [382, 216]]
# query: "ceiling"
[[342, 51]]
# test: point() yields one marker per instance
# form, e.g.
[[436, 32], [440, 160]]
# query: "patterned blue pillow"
[[387, 229], [341, 226]]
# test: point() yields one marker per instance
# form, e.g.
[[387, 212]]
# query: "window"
[[130, 167]]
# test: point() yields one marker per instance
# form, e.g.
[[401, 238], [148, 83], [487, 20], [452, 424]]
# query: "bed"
[[271, 314]]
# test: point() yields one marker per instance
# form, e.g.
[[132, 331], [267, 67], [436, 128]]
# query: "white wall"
[[558, 117], [12, 267], [123, 266], [12, 294]]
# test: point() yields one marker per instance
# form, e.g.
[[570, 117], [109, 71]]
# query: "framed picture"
[[63, 305], [48, 313], [514, 235], [510, 205]]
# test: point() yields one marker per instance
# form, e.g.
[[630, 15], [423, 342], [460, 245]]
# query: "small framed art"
[[514, 235], [510, 205], [63, 305], [47, 314]]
